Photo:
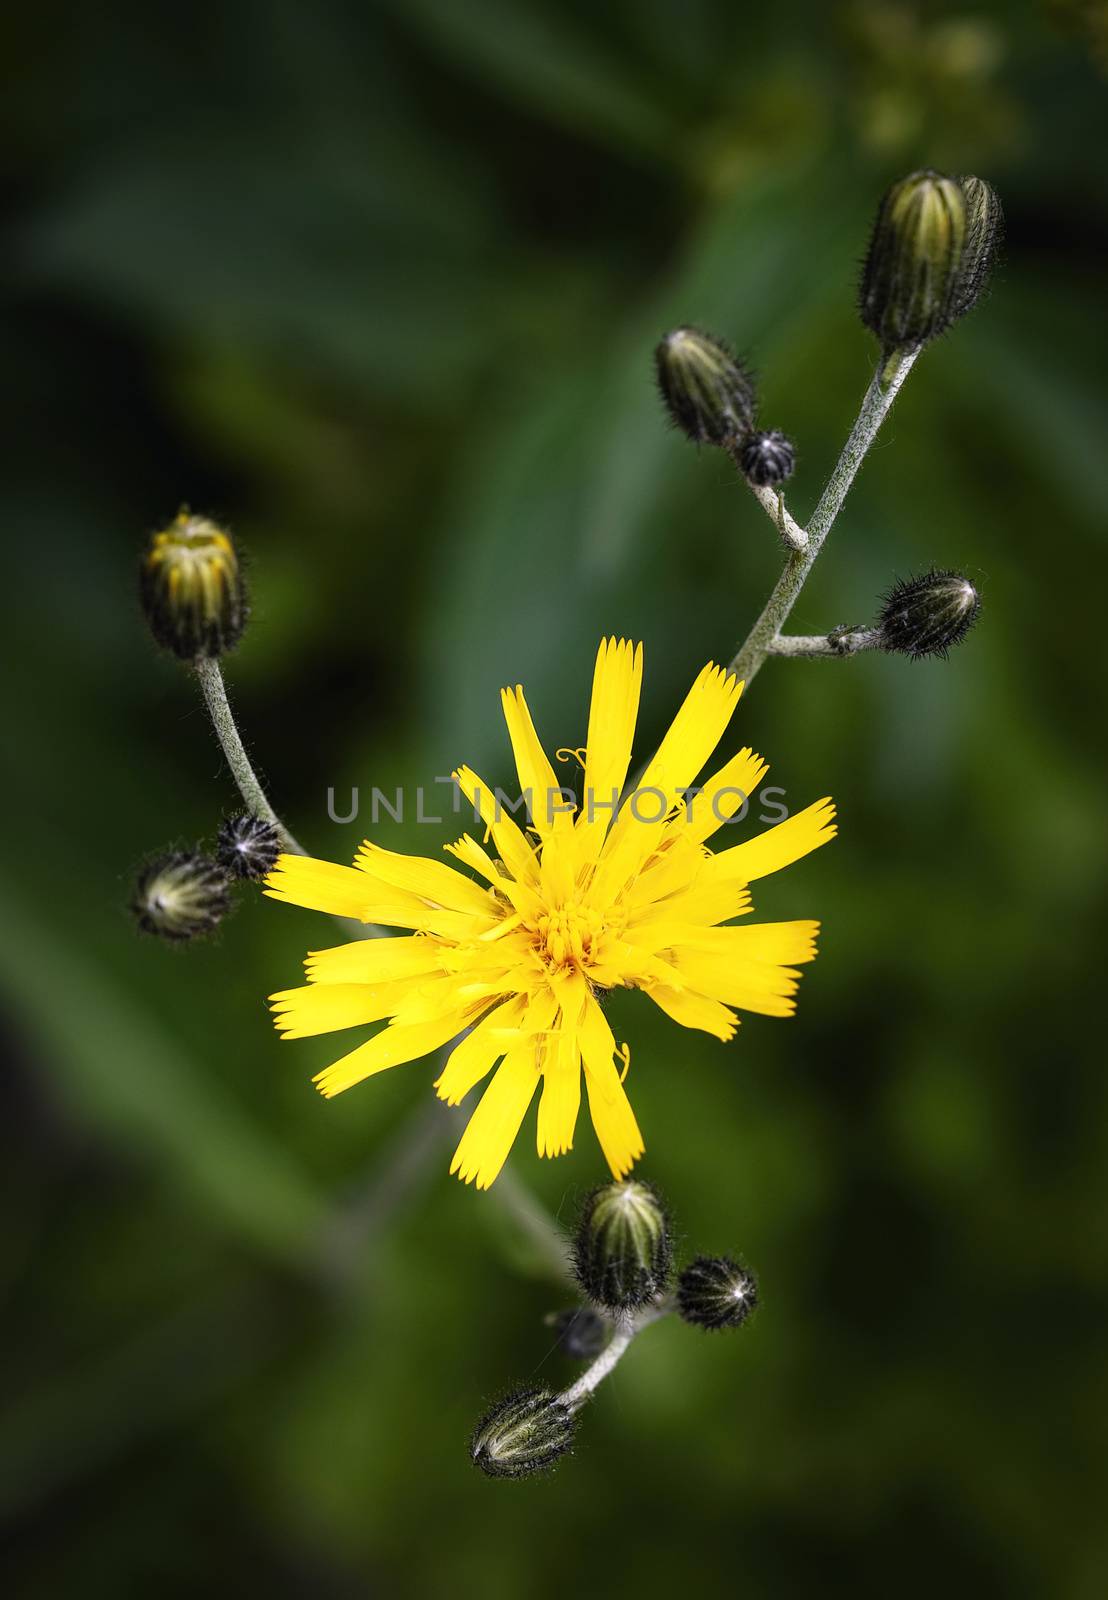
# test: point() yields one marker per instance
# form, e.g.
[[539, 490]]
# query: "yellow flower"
[[587, 899]]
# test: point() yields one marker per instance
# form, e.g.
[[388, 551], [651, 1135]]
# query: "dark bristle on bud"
[[933, 246], [192, 590], [521, 1435], [622, 1254], [767, 459], [929, 615], [708, 392], [715, 1292], [247, 846], [181, 895], [582, 1333]]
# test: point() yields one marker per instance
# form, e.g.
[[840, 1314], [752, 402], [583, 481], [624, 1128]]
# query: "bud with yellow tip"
[[192, 589]]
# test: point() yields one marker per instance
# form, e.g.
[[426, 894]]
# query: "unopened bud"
[[192, 589], [767, 459], [582, 1333], [932, 246], [708, 392], [247, 846], [715, 1292], [180, 895], [522, 1435], [622, 1254], [928, 616], [984, 233]]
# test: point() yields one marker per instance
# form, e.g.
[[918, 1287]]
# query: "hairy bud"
[[928, 616], [767, 459], [708, 393], [522, 1434], [622, 1254], [984, 234], [247, 846], [192, 589], [180, 895], [930, 253], [714, 1292], [582, 1333]]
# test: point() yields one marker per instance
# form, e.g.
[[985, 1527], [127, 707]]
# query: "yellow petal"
[[614, 1121], [777, 847], [327, 1007], [484, 1146], [536, 776], [642, 821], [473, 1056], [320, 886], [511, 842], [561, 1093], [694, 1011], [428, 880], [375, 960], [350, 892], [389, 1048], [613, 712], [780, 943], [750, 985], [721, 797]]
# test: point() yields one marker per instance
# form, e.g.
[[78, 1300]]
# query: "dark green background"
[[379, 285]]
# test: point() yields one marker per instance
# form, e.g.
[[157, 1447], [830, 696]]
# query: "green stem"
[[253, 795], [627, 1329], [876, 405]]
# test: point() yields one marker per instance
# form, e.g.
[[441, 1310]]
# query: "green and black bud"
[[715, 1292], [247, 846], [622, 1253], [928, 616], [932, 248], [582, 1333], [767, 459], [180, 895], [522, 1434], [192, 589], [708, 392], [984, 235]]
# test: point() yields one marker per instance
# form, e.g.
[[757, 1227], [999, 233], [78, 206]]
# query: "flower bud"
[[521, 1435], [929, 256], [192, 589], [984, 231], [181, 894], [622, 1254], [927, 616], [247, 846], [767, 459], [715, 1292], [582, 1332], [708, 393]]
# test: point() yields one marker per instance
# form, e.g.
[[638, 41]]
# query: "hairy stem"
[[249, 786], [627, 1329], [840, 642], [876, 405]]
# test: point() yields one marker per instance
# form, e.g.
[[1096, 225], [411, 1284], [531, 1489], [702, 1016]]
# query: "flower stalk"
[[627, 1330], [766, 632], [210, 677]]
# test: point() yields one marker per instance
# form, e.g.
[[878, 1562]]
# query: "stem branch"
[[878, 400], [627, 1329]]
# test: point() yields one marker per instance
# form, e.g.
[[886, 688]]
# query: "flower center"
[[568, 935]]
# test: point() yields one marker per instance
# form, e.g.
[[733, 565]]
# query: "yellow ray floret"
[[507, 952]]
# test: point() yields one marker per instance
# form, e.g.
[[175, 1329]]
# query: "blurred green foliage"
[[379, 284]]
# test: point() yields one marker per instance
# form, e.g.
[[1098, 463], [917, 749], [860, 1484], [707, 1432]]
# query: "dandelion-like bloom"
[[588, 899]]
